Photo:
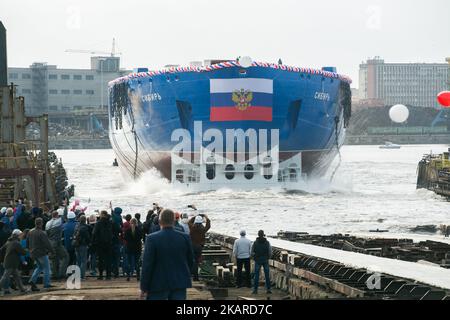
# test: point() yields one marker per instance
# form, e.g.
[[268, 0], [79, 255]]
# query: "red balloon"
[[444, 98]]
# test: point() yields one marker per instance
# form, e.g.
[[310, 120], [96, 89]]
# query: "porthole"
[[248, 174], [229, 171]]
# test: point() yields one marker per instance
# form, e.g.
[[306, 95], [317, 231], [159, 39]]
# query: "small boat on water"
[[390, 145]]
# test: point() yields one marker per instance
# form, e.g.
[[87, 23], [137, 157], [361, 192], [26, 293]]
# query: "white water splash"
[[372, 189]]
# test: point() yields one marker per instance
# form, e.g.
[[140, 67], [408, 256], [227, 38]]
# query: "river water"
[[373, 189]]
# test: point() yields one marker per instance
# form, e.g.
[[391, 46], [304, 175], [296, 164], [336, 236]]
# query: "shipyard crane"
[[113, 52]]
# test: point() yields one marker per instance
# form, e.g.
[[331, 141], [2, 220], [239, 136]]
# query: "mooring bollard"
[[284, 256], [224, 270], [226, 275], [291, 257], [219, 271], [234, 270]]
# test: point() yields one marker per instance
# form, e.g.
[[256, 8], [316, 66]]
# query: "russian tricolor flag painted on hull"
[[249, 99]]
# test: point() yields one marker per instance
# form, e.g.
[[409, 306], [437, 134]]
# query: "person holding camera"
[[198, 236], [81, 242]]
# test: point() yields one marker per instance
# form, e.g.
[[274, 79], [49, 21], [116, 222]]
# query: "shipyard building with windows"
[[60, 92], [412, 84]]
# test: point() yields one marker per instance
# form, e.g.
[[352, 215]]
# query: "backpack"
[[76, 237], [103, 233], [23, 220]]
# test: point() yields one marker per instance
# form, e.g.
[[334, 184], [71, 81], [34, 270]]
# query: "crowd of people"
[[109, 244]]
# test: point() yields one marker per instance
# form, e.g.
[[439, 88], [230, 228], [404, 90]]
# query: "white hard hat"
[[60, 211], [71, 215], [198, 219], [16, 232], [3, 210]]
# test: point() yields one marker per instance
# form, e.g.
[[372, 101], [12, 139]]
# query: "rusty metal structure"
[[27, 169], [308, 277], [433, 173], [401, 249]]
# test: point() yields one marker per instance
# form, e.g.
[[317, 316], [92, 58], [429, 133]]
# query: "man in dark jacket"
[[146, 226], [167, 262], [40, 247], [261, 253], [155, 227], [82, 240], [117, 224], [4, 234], [25, 221], [39, 213], [12, 251], [68, 232], [102, 239], [60, 259], [133, 248], [137, 216], [116, 216], [198, 235]]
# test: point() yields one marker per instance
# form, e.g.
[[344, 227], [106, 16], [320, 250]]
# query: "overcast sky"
[[154, 33]]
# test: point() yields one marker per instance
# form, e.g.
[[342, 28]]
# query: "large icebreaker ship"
[[309, 109]]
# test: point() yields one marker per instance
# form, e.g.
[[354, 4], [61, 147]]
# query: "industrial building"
[[65, 93], [413, 84]]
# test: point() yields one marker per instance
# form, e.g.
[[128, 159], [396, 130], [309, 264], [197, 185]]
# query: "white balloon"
[[245, 61], [399, 113]]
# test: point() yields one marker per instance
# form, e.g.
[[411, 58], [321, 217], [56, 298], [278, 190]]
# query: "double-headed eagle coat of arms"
[[242, 98]]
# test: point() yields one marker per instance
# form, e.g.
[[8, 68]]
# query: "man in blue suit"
[[167, 262]]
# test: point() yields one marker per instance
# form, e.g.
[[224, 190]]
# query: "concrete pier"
[[399, 139]]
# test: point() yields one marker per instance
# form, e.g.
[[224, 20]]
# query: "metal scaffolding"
[[27, 170], [39, 96]]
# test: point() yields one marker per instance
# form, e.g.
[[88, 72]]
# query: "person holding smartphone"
[[198, 236]]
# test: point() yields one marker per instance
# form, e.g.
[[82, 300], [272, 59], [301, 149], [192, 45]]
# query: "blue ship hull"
[[311, 110]]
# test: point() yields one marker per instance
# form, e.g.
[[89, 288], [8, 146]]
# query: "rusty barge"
[[28, 171]]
